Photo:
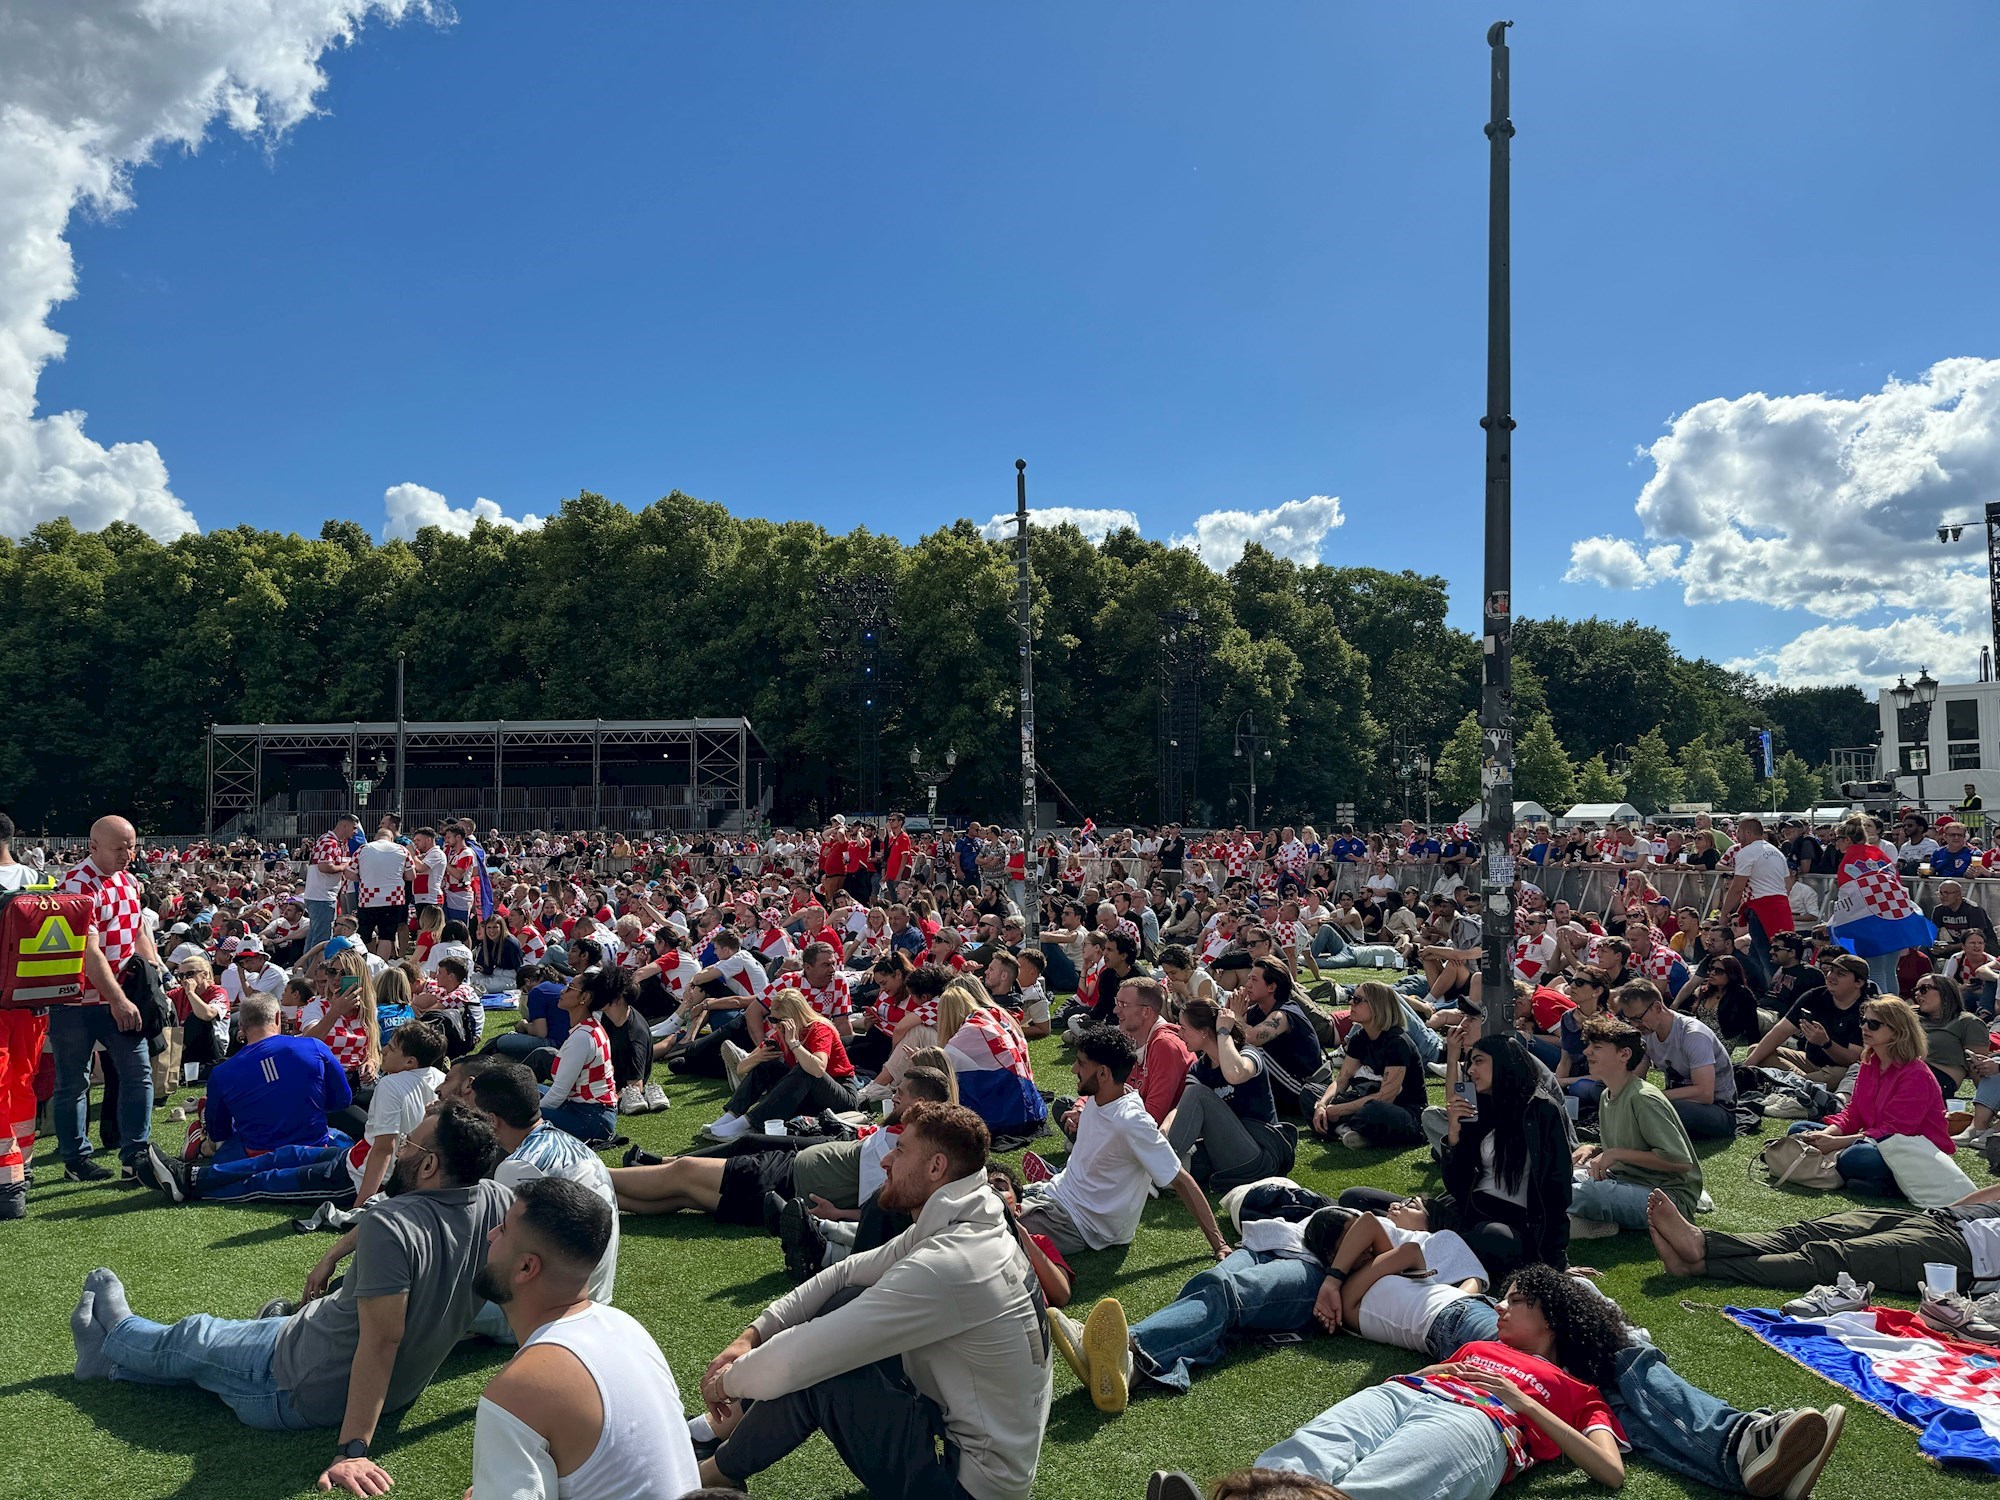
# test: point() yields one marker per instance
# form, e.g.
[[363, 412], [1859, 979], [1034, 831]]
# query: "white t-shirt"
[[441, 951], [1764, 866], [270, 980], [1398, 1309], [379, 868], [744, 974], [429, 889], [18, 877], [1119, 1158], [396, 1109]]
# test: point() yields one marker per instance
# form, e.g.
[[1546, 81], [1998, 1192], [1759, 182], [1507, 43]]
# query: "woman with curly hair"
[[1496, 1407]]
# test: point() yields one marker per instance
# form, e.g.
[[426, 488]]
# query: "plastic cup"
[[1574, 1105], [888, 1108], [777, 1127], [1940, 1279]]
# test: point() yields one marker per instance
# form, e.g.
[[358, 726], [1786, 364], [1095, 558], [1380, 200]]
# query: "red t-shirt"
[[896, 857], [1577, 1402], [819, 1038], [1550, 1007]]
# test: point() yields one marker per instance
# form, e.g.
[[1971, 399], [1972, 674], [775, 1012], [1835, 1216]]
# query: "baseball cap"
[[337, 946], [248, 945]]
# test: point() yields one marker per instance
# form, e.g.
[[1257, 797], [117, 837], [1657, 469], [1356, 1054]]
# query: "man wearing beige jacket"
[[938, 1333]]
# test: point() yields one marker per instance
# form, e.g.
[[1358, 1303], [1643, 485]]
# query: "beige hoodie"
[[956, 1298]]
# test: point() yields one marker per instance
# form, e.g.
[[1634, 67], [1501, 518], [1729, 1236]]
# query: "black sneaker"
[[805, 1246], [639, 1156], [774, 1209], [162, 1175], [277, 1307], [13, 1200], [85, 1169]]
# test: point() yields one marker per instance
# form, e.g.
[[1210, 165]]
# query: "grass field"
[[695, 1285]]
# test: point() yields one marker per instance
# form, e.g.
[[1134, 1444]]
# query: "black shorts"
[[745, 1180], [381, 922]]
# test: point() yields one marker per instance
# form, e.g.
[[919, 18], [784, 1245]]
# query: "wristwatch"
[[354, 1448]]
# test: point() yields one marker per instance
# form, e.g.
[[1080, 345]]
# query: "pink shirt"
[[1902, 1099]]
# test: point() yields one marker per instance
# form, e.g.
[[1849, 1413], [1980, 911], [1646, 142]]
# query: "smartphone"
[[1284, 1336], [1464, 1090]]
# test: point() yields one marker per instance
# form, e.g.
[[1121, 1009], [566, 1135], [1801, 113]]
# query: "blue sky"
[[847, 263]]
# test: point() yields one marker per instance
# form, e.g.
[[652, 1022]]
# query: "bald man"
[[104, 1017]]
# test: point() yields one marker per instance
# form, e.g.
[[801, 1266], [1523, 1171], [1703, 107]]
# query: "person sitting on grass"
[[273, 1091], [800, 1067], [1377, 1043], [582, 1096], [1464, 1426], [1277, 1025], [1641, 1144], [369, 1347], [507, 1094], [1225, 1125], [1120, 1158], [1052, 1272], [339, 1174], [576, 1411], [886, 1352], [1700, 1080]]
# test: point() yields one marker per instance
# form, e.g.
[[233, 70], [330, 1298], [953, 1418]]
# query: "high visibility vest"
[[41, 947]]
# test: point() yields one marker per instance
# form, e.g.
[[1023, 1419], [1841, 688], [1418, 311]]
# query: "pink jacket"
[[1903, 1099]]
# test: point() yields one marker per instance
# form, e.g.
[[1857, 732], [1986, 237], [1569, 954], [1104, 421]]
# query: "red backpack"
[[41, 948]]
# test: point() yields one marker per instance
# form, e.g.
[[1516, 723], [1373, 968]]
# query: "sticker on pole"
[[1500, 871]]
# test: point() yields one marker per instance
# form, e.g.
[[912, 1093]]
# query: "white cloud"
[[92, 89], [1095, 524], [1824, 503], [1294, 530], [1617, 564], [1945, 638], [411, 507]]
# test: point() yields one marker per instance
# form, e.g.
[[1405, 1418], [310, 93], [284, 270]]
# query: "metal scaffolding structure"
[[697, 772]]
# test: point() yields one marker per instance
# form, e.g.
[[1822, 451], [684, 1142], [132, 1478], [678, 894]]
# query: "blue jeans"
[[1548, 1052], [1676, 1425], [74, 1030], [587, 1122], [458, 914], [228, 1357], [1329, 947], [1882, 969], [1988, 1093], [1586, 1089], [319, 922], [1392, 1442], [1860, 1166], [1249, 1292], [312, 1173], [1609, 1200], [1429, 1045]]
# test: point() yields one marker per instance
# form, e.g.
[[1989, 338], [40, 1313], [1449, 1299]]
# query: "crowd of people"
[[868, 997]]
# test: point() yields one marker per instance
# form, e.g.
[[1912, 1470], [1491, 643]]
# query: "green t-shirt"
[[1641, 1118]]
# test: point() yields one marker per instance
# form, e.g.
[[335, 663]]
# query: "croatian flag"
[[995, 1079], [1949, 1391], [1873, 914]]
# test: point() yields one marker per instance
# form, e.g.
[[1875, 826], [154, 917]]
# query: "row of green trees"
[[118, 651]]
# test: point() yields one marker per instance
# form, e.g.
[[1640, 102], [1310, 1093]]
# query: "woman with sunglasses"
[[1895, 1094], [1953, 1036]]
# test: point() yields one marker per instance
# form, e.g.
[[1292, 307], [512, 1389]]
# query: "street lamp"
[[932, 777], [1920, 695], [1249, 746]]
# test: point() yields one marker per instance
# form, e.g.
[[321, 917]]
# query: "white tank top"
[[644, 1452]]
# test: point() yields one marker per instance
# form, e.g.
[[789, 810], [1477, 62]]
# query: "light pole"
[[402, 737], [932, 777], [1921, 695], [1031, 915], [1250, 745]]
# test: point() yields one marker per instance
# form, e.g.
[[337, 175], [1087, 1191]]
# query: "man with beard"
[[585, 1373], [936, 1333], [351, 1354]]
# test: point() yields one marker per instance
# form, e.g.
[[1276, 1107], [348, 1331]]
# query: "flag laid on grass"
[[1949, 1391]]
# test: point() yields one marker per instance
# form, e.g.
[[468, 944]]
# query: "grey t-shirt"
[[429, 1245], [1692, 1045]]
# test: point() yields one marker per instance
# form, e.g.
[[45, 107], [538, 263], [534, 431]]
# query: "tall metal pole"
[[402, 797], [1031, 914], [1496, 703]]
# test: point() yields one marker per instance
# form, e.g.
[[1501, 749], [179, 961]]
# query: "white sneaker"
[[1972, 1136], [1351, 1138], [632, 1100], [1838, 1296], [732, 1059], [729, 1127], [1581, 1228], [656, 1098], [1774, 1449]]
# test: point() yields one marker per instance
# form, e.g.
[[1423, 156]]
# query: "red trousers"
[[22, 1033]]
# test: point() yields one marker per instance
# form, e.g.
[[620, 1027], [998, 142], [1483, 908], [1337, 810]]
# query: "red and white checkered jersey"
[[1285, 935], [1233, 856], [889, 1014], [832, 1001], [1214, 944], [1293, 859], [534, 943], [427, 876], [459, 871], [347, 1039], [327, 850], [1657, 964], [114, 917], [597, 1084], [676, 967], [774, 945], [1532, 957], [1008, 1049], [380, 867]]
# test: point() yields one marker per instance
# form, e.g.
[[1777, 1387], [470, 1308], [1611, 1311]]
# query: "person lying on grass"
[[1422, 1290]]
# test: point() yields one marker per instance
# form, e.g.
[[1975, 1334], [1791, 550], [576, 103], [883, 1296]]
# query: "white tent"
[[1525, 813], [1600, 813]]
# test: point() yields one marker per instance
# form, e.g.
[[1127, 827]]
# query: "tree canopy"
[[120, 650]]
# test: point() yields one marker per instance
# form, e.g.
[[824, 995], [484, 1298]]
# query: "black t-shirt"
[[1793, 984], [1297, 1052], [1172, 851], [1250, 1100], [1392, 1049], [1802, 854], [1706, 859], [1843, 1027]]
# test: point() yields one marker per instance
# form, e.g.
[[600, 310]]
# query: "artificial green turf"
[[695, 1285]]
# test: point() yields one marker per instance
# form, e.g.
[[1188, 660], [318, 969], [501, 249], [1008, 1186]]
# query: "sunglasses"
[[1872, 1023], [1925, 987]]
